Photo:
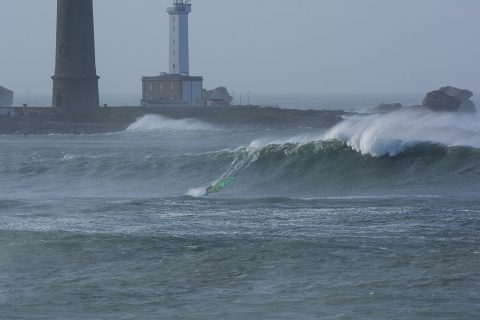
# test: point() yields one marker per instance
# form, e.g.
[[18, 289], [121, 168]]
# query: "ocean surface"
[[376, 218]]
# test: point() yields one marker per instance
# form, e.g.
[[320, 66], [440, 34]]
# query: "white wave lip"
[[391, 134], [160, 123]]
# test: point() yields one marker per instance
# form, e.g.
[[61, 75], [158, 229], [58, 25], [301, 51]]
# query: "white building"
[[177, 87], [6, 97]]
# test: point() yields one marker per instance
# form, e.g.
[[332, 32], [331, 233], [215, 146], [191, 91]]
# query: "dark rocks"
[[449, 99], [386, 107], [441, 102], [217, 97]]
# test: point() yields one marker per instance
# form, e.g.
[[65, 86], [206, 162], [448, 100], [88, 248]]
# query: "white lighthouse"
[[177, 88], [179, 59]]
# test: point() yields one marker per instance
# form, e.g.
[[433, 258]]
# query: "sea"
[[375, 218]]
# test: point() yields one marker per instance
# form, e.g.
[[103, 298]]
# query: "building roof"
[[5, 90], [173, 77]]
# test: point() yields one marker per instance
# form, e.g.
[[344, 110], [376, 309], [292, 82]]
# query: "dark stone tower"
[[75, 83]]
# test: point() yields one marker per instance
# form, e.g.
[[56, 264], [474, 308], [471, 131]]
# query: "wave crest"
[[392, 134]]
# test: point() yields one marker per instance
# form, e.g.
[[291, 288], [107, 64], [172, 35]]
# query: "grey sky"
[[270, 46]]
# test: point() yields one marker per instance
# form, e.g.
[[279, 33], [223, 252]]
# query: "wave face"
[[332, 168]]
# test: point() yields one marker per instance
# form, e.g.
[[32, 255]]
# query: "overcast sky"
[[263, 46]]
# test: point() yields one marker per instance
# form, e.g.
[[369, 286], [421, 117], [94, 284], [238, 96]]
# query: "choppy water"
[[378, 218]]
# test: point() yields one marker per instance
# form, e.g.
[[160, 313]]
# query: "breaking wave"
[[407, 151], [392, 134], [399, 153], [314, 169]]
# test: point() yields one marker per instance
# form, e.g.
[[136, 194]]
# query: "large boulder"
[[441, 102], [217, 97], [221, 93], [449, 99]]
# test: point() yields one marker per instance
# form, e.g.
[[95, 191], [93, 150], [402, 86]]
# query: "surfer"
[[220, 185]]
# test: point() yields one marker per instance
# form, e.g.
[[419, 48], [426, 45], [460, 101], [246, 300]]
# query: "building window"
[[173, 53], [174, 66], [151, 86], [171, 87], [161, 86]]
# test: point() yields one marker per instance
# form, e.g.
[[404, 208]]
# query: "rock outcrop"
[[386, 107], [449, 99], [217, 97], [6, 97]]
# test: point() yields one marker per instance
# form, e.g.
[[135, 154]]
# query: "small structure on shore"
[[6, 102], [171, 90], [6, 97], [177, 87]]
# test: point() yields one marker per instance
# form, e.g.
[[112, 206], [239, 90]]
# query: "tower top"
[[180, 7]]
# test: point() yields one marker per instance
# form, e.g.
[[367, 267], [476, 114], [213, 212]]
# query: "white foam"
[[160, 123], [391, 134], [196, 192]]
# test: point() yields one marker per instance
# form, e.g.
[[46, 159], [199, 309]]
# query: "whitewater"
[[375, 218]]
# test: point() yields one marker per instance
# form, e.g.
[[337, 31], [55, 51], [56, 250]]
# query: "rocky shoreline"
[[445, 99], [117, 119], [104, 120]]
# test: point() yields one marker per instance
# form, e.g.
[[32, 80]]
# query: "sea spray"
[[159, 123], [393, 133]]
